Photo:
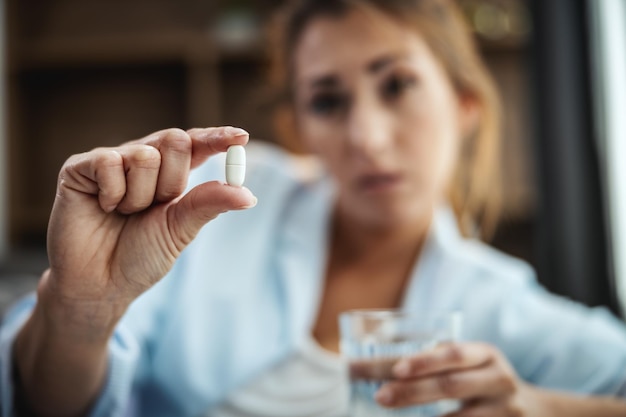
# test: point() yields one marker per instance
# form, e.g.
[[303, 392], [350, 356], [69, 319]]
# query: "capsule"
[[235, 165]]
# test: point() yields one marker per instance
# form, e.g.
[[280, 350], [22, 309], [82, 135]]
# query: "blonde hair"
[[474, 191]]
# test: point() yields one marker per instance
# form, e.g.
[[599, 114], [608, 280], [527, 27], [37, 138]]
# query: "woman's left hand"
[[477, 374]]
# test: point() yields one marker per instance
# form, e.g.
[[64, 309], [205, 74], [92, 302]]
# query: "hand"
[[120, 220], [477, 374]]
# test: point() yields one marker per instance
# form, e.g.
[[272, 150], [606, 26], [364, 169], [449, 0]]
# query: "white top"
[[245, 293], [312, 382]]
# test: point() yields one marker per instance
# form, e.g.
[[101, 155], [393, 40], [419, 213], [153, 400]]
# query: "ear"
[[470, 112]]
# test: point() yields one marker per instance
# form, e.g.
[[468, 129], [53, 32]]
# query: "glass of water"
[[372, 341]]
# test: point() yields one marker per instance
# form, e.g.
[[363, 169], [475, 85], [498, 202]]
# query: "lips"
[[378, 182]]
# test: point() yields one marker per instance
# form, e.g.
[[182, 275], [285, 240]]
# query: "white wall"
[[609, 42], [4, 244]]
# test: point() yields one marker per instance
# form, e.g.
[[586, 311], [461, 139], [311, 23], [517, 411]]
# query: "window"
[[608, 24]]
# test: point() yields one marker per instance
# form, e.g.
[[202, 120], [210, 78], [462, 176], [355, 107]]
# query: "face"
[[374, 103]]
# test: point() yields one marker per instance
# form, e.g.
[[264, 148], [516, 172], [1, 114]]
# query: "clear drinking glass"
[[372, 341]]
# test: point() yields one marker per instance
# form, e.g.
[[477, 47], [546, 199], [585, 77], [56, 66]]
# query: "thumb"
[[203, 204]]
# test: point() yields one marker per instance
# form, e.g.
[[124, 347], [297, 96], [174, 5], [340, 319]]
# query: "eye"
[[325, 104], [396, 85]]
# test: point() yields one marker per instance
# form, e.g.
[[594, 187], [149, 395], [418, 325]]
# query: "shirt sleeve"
[[114, 399], [13, 322], [559, 344], [587, 353], [551, 341]]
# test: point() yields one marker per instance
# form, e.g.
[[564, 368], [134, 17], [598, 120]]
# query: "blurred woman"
[[393, 101]]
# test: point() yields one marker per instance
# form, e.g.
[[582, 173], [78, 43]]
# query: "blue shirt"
[[244, 294]]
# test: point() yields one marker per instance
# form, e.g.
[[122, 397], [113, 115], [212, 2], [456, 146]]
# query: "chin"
[[396, 214]]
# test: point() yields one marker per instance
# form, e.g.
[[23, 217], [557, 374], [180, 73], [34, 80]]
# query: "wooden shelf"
[[85, 52], [191, 48], [113, 49]]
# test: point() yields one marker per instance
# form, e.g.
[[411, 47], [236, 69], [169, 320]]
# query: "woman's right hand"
[[119, 222]]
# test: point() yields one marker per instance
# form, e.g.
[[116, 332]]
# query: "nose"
[[368, 128]]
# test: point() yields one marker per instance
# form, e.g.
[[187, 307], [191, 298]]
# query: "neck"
[[355, 240]]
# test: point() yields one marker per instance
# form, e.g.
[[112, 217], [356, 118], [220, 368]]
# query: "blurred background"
[[84, 73]]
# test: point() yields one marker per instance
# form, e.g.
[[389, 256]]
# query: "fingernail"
[[109, 209], [384, 396], [254, 201], [402, 369], [235, 131]]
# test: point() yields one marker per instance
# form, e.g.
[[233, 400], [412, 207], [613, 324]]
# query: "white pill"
[[235, 165]]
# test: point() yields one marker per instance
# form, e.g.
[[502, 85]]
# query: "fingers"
[[378, 369], [154, 169], [484, 409], [212, 140], [110, 180], [123, 178], [459, 371], [175, 146], [99, 173], [484, 382], [445, 357], [202, 204], [141, 166], [182, 151]]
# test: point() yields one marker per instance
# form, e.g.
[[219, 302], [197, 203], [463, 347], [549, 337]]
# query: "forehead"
[[351, 42]]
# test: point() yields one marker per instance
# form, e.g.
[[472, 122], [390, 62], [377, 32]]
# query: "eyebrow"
[[383, 62], [325, 81], [376, 66]]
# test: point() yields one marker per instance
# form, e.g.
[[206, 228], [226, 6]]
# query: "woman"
[[391, 97]]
